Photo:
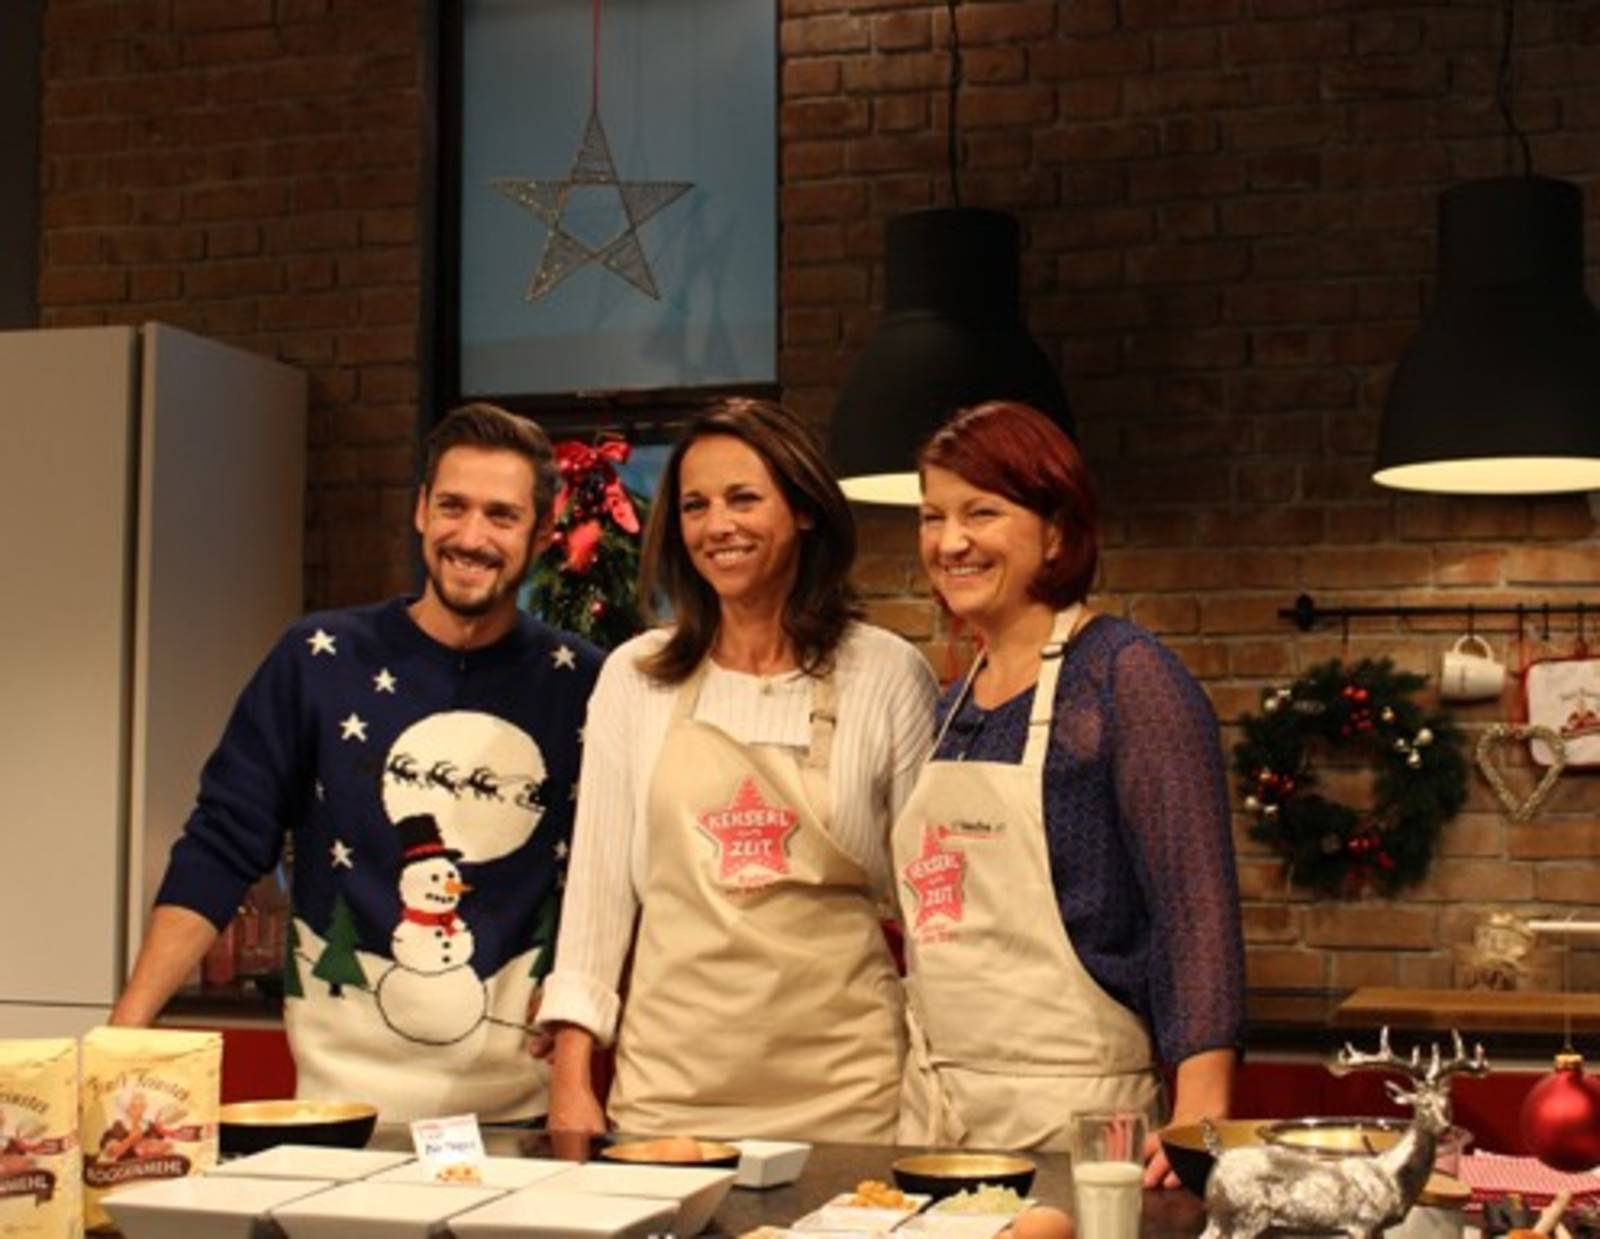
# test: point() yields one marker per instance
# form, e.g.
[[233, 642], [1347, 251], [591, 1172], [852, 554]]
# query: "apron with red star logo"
[[763, 1000], [1010, 1035]]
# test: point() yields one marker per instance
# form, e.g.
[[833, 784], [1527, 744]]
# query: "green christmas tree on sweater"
[[338, 964]]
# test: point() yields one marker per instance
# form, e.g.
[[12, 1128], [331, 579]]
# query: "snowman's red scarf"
[[447, 921]]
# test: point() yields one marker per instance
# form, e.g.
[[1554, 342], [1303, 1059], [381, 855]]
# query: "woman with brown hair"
[[741, 769], [1065, 863]]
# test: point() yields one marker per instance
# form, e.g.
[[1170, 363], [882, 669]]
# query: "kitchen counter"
[[835, 1168]]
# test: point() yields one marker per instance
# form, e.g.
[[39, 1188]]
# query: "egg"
[[678, 1149], [1042, 1222]]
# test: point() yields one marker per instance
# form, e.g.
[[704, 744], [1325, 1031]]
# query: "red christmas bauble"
[[1561, 1117]]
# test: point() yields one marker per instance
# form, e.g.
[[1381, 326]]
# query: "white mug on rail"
[[1469, 671]]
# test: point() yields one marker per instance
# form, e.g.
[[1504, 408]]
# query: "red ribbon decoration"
[[580, 464]]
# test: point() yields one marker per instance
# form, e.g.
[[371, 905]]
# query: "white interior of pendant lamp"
[[899, 489], [1505, 475]]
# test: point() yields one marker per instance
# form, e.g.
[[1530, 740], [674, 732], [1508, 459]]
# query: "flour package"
[[41, 1166], [148, 1109]]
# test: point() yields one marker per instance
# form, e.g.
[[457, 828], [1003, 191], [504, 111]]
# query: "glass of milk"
[[1108, 1173]]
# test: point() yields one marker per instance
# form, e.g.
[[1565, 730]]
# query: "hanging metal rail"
[[1307, 614]]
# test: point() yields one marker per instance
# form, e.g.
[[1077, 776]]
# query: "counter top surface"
[[835, 1168]]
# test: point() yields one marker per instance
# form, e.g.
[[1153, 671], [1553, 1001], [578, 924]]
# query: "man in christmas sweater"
[[422, 754]]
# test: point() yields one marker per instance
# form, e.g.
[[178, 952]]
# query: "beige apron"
[[763, 1000], [1010, 1035]]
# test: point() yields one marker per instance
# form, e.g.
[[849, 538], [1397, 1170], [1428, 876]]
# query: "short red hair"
[[1015, 451]]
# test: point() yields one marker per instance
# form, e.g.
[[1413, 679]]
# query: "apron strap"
[[1044, 692], [824, 717], [942, 1124], [956, 703], [1062, 630], [688, 695]]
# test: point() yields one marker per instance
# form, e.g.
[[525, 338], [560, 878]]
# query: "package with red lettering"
[[41, 1194], [148, 1109]]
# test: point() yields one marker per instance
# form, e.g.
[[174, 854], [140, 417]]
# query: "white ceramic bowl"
[[546, 1213], [202, 1208], [770, 1163], [505, 1173], [377, 1211], [306, 1161], [698, 1192]]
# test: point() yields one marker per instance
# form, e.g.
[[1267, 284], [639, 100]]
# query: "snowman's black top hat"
[[420, 840]]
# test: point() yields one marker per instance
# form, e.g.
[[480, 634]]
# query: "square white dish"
[[378, 1211], [548, 1213], [770, 1163], [941, 1219], [309, 1161], [957, 1225], [697, 1190], [202, 1208], [506, 1174], [839, 1214]]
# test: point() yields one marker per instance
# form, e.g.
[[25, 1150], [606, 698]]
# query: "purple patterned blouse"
[[1138, 829]]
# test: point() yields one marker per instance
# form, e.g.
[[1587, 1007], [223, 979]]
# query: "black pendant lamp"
[[1499, 392], [952, 335]]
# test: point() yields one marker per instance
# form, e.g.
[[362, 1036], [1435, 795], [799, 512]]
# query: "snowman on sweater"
[[431, 994]]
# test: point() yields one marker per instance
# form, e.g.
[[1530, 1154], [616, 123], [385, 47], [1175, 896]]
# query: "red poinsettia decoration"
[[590, 491]]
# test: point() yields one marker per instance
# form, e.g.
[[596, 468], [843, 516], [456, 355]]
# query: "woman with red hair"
[[1065, 862]]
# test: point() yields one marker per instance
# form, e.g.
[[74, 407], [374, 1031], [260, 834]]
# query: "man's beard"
[[473, 606]]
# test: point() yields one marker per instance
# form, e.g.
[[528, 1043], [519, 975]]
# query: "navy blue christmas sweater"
[[429, 792]]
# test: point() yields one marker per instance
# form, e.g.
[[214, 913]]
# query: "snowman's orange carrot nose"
[[454, 886]]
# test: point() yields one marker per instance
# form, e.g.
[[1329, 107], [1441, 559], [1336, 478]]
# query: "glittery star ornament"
[[565, 252]]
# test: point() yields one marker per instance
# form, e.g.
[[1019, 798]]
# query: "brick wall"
[[250, 170], [1229, 206]]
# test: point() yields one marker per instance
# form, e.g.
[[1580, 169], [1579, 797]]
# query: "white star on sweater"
[[353, 728], [383, 682], [341, 855], [321, 642], [563, 657]]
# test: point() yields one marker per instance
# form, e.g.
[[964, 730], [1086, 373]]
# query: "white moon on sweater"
[[479, 776]]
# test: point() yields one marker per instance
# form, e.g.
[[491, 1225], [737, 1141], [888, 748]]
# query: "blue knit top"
[[1138, 830]]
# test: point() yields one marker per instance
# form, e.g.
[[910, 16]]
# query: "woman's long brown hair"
[[822, 602]]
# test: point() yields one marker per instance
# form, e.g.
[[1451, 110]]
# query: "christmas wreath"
[[585, 581], [1366, 711]]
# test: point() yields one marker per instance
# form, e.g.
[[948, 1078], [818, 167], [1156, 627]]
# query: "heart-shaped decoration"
[[1500, 733]]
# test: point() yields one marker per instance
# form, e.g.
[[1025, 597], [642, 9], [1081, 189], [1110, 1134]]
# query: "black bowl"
[[251, 1126], [652, 1153], [1186, 1150], [944, 1174]]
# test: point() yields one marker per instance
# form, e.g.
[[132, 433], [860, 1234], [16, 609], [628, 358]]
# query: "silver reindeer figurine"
[[1258, 1188]]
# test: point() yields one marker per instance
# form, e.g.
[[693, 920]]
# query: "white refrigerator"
[[151, 503]]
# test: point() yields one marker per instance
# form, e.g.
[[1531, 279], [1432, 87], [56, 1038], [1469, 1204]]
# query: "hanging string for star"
[[565, 252]]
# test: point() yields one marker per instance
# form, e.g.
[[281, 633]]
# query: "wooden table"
[[835, 1168]]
